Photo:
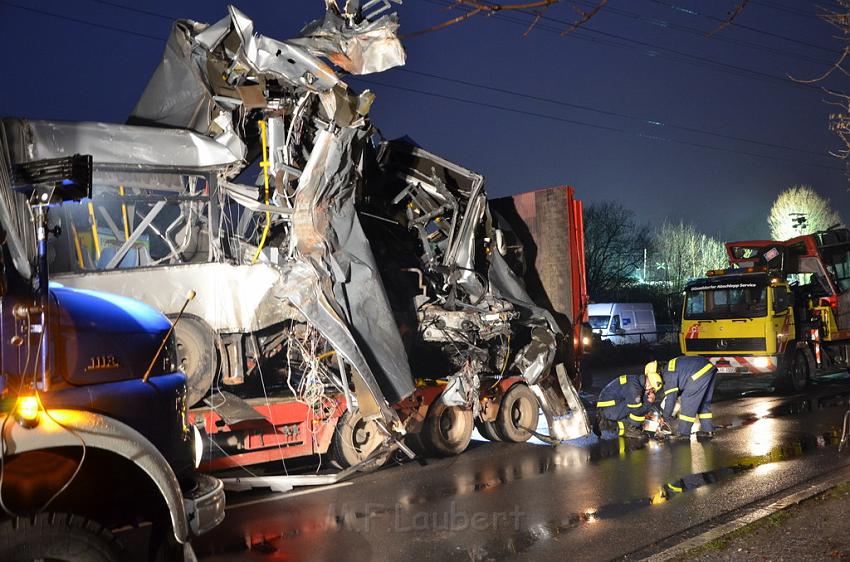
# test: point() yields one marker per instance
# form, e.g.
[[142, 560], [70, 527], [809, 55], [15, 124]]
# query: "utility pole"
[[798, 221]]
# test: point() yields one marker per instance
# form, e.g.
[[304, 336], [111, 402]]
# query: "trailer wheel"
[[447, 429], [519, 410], [488, 430], [354, 440], [196, 356], [795, 375], [57, 536]]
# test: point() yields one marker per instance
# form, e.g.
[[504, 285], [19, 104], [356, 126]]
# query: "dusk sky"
[[639, 105]]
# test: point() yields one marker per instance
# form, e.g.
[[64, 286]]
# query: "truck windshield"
[[598, 322], [734, 300]]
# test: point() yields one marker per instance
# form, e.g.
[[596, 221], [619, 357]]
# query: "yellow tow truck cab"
[[783, 309], [742, 322]]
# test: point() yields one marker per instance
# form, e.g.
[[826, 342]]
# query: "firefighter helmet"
[[653, 377]]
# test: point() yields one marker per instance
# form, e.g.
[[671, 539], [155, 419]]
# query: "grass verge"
[[765, 523]]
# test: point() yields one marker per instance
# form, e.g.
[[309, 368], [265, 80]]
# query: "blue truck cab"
[[94, 430]]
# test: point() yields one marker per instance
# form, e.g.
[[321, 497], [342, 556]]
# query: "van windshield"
[[732, 300], [598, 322]]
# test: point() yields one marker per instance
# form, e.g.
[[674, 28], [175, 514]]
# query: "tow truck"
[[94, 432], [782, 309]]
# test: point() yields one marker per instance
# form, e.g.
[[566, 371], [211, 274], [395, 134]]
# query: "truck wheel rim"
[[521, 413], [450, 427]]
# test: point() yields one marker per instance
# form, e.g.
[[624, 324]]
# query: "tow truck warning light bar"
[[733, 270]]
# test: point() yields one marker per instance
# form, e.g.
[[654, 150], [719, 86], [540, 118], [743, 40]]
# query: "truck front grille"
[[726, 344]]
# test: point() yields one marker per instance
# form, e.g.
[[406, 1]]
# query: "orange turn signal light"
[[27, 410]]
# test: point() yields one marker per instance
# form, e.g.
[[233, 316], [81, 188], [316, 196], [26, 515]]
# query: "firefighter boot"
[[634, 432], [604, 424]]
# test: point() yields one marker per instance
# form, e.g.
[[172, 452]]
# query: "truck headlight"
[[198, 445], [761, 362]]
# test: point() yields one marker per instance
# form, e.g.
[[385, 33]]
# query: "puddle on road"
[[525, 539], [352, 524], [805, 405]]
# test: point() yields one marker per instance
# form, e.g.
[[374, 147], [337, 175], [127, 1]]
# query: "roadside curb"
[[724, 529]]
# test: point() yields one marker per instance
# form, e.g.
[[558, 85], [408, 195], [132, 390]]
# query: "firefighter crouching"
[[689, 379], [623, 404]]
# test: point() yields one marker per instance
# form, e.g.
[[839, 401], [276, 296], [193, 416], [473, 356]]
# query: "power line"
[[666, 24], [511, 109], [80, 21], [137, 10], [610, 113], [479, 103], [648, 49], [783, 8], [703, 60], [692, 12]]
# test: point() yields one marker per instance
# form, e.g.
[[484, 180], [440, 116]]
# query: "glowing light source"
[[761, 362], [198, 443], [26, 410]]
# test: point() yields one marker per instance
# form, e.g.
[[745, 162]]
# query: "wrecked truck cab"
[[91, 400], [469, 322]]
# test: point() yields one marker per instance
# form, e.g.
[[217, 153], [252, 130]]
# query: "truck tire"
[[196, 356], [354, 440], [57, 536], [488, 430], [519, 410], [447, 429], [795, 374]]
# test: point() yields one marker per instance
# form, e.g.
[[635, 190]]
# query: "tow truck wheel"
[[795, 376], [354, 440], [447, 429], [57, 536], [519, 410], [488, 430], [196, 356]]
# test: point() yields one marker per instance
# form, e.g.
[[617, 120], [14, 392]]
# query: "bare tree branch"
[[839, 20], [730, 17], [614, 245], [835, 66], [537, 17], [478, 7], [839, 122], [445, 24], [586, 16]]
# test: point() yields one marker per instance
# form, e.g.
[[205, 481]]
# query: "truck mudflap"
[[565, 415], [745, 365], [101, 432]]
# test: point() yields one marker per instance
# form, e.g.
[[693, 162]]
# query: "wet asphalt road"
[[587, 500]]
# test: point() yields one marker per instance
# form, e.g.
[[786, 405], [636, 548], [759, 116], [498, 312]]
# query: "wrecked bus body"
[[352, 296]]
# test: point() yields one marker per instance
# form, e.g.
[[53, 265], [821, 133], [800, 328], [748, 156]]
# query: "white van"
[[623, 322]]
